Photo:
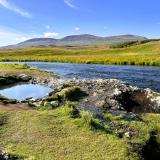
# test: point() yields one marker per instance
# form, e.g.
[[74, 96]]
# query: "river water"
[[143, 77]]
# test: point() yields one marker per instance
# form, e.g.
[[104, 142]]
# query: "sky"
[[24, 19]]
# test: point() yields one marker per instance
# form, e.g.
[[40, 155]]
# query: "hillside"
[[75, 40], [142, 54]]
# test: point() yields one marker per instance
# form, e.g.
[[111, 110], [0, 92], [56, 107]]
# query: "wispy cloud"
[[14, 8], [70, 4]]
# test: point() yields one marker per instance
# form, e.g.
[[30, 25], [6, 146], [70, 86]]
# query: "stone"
[[127, 135], [114, 94], [24, 77], [54, 103]]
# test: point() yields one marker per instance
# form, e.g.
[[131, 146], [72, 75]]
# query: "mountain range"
[[75, 40]]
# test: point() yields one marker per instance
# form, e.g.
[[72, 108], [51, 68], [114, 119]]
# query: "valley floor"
[[147, 54]]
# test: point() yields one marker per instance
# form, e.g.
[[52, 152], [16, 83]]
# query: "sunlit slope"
[[143, 54]]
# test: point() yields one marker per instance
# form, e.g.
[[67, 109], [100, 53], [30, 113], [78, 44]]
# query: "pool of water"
[[144, 77], [24, 91]]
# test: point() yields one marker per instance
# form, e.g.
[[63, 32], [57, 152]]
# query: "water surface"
[[23, 91], [144, 77]]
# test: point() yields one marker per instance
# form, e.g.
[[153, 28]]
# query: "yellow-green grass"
[[143, 54], [48, 135], [17, 69]]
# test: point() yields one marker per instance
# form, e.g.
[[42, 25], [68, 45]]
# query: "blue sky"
[[24, 19]]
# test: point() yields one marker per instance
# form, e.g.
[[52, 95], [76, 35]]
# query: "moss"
[[72, 93], [110, 117], [52, 97], [64, 85]]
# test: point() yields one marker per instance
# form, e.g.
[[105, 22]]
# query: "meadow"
[[40, 135], [147, 54]]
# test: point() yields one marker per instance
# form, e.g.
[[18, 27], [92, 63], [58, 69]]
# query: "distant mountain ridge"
[[75, 40]]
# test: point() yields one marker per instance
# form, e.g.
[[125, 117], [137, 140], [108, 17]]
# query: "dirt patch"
[[12, 107]]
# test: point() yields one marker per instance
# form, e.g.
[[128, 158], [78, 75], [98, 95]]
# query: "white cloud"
[[10, 36], [14, 8], [7, 38], [22, 38], [70, 4], [76, 28], [50, 34]]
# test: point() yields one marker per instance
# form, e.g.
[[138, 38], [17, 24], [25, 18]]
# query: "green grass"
[[11, 69], [142, 54], [54, 135], [44, 135], [13, 66]]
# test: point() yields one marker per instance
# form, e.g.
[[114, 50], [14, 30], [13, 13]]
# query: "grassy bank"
[[17, 69], [142, 54], [42, 135]]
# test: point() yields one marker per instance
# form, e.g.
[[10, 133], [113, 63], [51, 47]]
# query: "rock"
[[55, 103], [7, 80], [127, 135], [6, 156], [24, 77], [114, 94]]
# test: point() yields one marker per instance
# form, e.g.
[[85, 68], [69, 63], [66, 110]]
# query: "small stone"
[[127, 135], [54, 103]]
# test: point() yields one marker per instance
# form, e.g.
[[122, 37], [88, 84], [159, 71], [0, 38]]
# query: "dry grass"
[[143, 54]]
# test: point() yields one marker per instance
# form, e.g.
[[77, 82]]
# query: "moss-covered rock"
[[72, 93]]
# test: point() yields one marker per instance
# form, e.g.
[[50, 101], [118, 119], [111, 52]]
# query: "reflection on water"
[[23, 91]]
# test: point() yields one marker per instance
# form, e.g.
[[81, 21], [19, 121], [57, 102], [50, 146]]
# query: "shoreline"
[[74, 62]]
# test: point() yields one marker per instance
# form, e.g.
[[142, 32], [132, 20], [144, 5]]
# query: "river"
[[143, 77]]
